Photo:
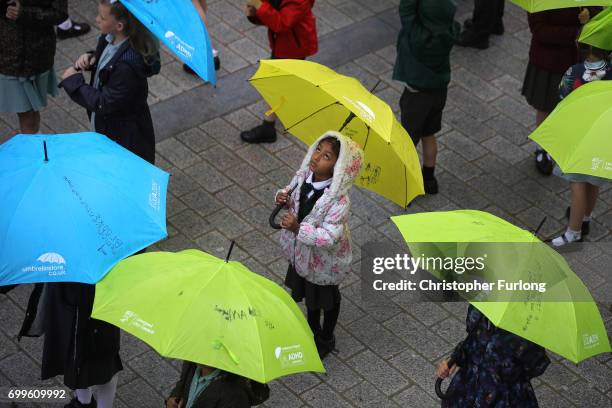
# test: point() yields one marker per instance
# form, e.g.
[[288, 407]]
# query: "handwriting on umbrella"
[[104, 231]]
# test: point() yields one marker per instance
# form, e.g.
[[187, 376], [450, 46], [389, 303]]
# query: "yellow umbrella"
[[310, 99]]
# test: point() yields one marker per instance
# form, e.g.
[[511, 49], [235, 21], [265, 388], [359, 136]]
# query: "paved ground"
[[221, 189]]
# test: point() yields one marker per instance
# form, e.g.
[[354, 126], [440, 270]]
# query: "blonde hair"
[[140, 38]]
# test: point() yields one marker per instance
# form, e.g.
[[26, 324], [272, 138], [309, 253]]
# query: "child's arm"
[[284, 19], [566, 86], [115, 95], [330, 231], [54, 14], [177, 391]]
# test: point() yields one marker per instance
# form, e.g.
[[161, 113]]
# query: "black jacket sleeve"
[[115, 95], [187, 372]]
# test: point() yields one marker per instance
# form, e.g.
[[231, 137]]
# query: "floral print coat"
[[321, 251], [496, 367]]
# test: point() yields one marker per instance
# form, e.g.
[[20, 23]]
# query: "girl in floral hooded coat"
[[315, 237]]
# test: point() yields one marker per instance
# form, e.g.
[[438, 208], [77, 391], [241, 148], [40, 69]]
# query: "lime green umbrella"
[[533, 6], [577, 133], [563, 319], [598, 31], [193, 306]]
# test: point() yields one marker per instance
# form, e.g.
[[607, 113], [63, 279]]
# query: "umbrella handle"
[[272, 220], [217, 344], [277, 209], [439, 392]]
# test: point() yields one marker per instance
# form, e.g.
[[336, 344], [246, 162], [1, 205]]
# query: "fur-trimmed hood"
[[347, 166]]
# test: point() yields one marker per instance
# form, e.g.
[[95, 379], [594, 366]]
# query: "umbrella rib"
[[270, 77], [367, 137], [168, 340], [312, 114], [405, 185]]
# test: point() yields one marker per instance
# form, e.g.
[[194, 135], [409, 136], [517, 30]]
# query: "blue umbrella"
[[74, 205], [178, 25]]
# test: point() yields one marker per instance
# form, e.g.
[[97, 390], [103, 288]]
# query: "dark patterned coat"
[[27, 46], [496, 367]]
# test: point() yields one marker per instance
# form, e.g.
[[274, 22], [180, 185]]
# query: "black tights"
[[330, 318]]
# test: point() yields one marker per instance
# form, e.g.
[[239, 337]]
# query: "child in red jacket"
[[292, 33]]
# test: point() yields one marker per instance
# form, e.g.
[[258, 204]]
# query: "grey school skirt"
[[24, 94]]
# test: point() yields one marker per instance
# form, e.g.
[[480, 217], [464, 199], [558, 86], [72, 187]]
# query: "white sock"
[[84, 395], [215, 53], [66, 25], [105, 393], [570, 235], [587, 218]]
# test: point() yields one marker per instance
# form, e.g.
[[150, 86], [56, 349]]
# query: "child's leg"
[[201, 8], [579, 205], [270, 118], [84, 395], [592, 193], [105, 393], [540, 117], [330, 319], [430, 151], [577, 211], [29, 122], [314, 320]]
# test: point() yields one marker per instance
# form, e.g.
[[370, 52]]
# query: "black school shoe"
[[468, 38], [497, 30], [586, 225], [324, 347], [264, 133], [543, 162], [188, 69], [76, 30], [430, 185], [76, 404]]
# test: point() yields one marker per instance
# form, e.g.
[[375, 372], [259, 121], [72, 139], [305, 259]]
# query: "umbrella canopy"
[[563, 319], [73, 205], [598, 31], [577, 132], [178, 25], [534, 6], [196, 307], [311, 99]]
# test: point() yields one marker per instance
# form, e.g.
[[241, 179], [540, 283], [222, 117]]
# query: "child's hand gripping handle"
[[439, 392], [278, 208]]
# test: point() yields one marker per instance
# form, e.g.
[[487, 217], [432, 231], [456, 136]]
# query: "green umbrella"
[[563, 319], [534, 6], [598, 31], [577, 133], [193, 306]]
